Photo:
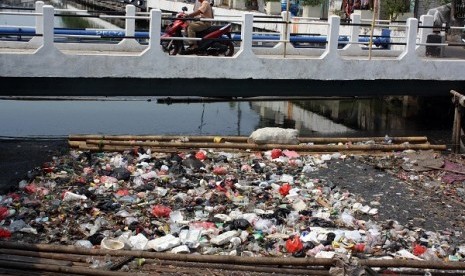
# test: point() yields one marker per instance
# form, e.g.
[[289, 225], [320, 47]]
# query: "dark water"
[[432, 117]]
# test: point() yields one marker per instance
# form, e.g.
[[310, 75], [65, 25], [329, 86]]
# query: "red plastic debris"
[[161, 211], [276, 153], [80, 180], [294, 244], [30, 189], [359, 247], [3, 212], [48, 167], [14, 196], [122, 192], [220, 171], [284, 189], [4, 233], [200, 155], [418, 249]]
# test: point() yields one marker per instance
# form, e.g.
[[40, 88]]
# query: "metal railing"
[[412, 44]]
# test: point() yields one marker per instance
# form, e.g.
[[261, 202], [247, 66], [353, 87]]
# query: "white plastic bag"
[[274, 135]]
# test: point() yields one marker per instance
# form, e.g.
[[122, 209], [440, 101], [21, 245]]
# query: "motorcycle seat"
[[209, 30]]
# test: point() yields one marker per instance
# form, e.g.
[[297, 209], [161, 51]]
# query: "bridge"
[[44, 66]]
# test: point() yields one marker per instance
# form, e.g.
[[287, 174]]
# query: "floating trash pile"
[[208, 202]]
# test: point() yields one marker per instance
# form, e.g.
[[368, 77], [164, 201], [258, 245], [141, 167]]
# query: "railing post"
[[48, 22], [353, 46], [285, 33], [354, 29], [246, 34], [426, 21], [39, 21], [412, 29], [333, 37], [154, 32], [130, 22]]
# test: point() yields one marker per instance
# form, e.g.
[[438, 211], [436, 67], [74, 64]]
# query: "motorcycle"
[[215, 41]]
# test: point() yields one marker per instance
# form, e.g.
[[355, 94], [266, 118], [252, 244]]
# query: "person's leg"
[[193, 28]]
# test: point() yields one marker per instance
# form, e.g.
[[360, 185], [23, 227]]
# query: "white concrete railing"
[[412, 49]]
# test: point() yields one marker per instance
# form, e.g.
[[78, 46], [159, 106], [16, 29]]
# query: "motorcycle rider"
[[203, 11]]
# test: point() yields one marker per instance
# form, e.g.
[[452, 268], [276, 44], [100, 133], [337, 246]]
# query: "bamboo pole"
[[15, 272], [457, 129], [233, 259], [171, 150], [332, 148], [48, 255], [34, 260], [62, 269], [249, 268], [459, 98], [243, 139], [80, 137]]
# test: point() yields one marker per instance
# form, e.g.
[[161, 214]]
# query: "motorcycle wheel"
[[230, 51], [172, 47]]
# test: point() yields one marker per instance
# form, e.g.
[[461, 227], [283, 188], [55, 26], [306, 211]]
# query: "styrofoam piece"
[[163, 243]]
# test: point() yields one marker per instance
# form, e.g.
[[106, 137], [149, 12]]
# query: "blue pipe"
[[383, 40]]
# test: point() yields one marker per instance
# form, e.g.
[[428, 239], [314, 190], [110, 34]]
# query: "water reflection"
[[395, 116], [364, 117]]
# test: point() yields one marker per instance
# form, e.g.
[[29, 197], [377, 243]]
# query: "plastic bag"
[[161, 211], [201, 155], [348, 219], [284, 189], [220, 171], [3, 212], [4, 233], [274, 135], [276, 153], [294, 244], [418, 249]]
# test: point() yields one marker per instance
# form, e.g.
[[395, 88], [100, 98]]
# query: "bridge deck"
[[146, 70]]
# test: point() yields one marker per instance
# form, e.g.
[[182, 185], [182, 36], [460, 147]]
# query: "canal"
[[396, 116]]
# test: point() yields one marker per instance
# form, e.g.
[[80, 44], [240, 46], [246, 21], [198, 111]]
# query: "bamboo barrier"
[[170, 143], [254, 261], [150, 265], [241, 139], [246, 146]]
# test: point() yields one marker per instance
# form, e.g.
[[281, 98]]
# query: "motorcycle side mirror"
[[184, 9]]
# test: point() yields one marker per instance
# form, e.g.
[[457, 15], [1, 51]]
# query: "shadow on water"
[[394, 116]]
